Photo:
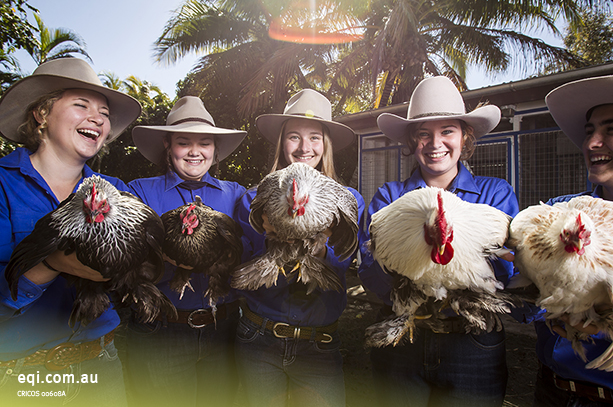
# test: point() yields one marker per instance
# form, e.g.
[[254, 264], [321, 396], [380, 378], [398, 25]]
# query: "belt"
[[200, 318], [582, 389], [322, 334], [63, 355]]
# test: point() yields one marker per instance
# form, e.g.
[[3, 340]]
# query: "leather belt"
[[63, 355], [582, 389], [323, 334], [200, 318]]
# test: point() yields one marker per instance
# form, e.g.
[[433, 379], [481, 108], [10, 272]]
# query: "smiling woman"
[[62, 115]]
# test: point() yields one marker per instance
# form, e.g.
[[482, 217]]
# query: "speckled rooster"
[[206, 240], [301, 204], [438, 247], [112, 232], [566, 250]]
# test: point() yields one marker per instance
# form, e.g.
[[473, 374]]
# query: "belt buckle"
[[296, 334], [191, 315], [55, 353]]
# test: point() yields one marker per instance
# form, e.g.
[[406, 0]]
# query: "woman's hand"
[[61, 263], [591, 329], [174, 263]]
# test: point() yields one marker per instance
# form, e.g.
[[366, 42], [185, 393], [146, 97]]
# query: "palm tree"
[[241, 54], [57, 43], [407, 40]]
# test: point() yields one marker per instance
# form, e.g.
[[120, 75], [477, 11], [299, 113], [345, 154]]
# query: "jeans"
[[42, 387], [447, 370], [176, 365], [287, 371]]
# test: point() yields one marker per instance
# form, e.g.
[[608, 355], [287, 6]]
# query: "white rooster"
[[566, 250], [439, 248]]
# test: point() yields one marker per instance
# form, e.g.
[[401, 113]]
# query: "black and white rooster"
[[301, 204], [112, 232]]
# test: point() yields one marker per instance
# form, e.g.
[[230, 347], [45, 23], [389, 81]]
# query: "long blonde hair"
[[326, 164]]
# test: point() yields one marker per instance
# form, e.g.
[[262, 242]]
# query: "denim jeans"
[[176, 365], [42, 387], [286, 371], [447, 370]]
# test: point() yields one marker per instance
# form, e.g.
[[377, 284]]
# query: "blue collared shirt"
[[164, 193], [38, 319], [287, 301], [557, 353], [492, 191]]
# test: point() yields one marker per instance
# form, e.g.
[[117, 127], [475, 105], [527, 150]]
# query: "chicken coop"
[[526, 148]]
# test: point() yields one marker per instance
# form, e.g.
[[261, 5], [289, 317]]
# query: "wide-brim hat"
[[63, 73], [570, 103], [437, 98], [311, 105], [188, 115]]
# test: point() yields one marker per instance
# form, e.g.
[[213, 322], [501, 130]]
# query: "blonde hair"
[[325, 165]]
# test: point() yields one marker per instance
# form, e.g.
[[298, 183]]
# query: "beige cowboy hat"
[[437, 98], [306, 104], [63, 73], [188, 115], [570, 103]]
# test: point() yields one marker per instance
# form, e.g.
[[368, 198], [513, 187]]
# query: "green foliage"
[[15, 31], [56, 43], [591, 40]]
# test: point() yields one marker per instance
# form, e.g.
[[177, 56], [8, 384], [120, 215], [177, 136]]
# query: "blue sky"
[[119, 35]]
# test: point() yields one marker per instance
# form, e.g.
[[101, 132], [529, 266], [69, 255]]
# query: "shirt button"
[[29, 295]]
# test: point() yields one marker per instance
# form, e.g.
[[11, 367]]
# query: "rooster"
[[112, 232], [205, 240], [566, 250], [302, 205], [438, 247]]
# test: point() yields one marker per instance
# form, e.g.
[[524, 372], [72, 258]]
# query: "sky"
[[119, 37]]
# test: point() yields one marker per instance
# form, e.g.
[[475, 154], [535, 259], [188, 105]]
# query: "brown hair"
[[468, 139], [326, 164]]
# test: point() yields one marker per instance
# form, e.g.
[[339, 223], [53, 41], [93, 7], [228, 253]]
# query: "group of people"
[[63, 116]]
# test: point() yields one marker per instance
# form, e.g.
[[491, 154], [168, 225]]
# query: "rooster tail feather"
[[389, 331], [90, 303], [604, 361], [316, 273], [149, 301], [261, 271]]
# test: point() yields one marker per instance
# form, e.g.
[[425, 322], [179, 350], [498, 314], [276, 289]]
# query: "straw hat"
[[188, 115], [306, 104], [570, 103], [63, 73], [437, 98]]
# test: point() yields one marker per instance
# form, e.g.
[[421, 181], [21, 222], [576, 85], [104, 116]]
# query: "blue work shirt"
[[557, 353], [38, 319], [164, 193], [287, 301], [492, 191]]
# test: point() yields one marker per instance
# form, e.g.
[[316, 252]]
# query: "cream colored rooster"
[[566, 249], [441, 245]]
